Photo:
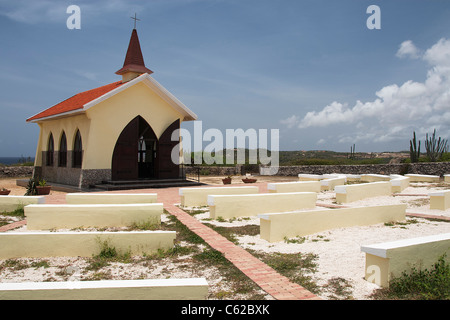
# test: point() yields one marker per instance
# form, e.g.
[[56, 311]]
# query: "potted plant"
[[31, 187], [227, 180], [4, 192], [43, 188], [248, 179]]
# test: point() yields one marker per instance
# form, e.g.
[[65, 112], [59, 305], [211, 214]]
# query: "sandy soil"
[[338, 251]]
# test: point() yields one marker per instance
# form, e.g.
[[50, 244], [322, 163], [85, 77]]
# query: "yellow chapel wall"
[[38, 157], [109, 117], [56, 127]]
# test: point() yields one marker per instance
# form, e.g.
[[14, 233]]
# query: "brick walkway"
[[278, 286], [13, 225]]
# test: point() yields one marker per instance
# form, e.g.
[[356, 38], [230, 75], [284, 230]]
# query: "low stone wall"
[[16, 171], [213, 170], [280, 225], [428, 168], [42, 244], [79, 178]]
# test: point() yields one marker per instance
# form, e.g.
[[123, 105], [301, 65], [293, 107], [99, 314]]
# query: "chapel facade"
[[117, 132]]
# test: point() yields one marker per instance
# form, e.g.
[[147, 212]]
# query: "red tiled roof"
[[77, 101]]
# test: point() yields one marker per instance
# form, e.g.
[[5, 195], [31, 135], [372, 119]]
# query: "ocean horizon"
[[15, 160]]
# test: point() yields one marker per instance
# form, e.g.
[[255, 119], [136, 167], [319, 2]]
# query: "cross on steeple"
[[133, 65], [135, 19]]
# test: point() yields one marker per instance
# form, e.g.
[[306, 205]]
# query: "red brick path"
[[13, 225], [278, 286]]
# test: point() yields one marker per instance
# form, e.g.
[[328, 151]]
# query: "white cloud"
[[439, 54], [51, 11], [34, 11], [334, 113], [408, 49], [398, 109], [291, 121]]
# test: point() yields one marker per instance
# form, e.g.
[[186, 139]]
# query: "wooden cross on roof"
[[135, 19]]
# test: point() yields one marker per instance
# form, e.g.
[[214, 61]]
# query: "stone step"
[[145, 184]]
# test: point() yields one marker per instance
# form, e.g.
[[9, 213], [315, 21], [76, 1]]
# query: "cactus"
[[435, 147], [352, 152], [414, 152]]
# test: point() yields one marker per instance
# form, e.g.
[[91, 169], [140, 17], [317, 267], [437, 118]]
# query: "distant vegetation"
[[314, 157], [436, 149], [292, 158], [323, 157]]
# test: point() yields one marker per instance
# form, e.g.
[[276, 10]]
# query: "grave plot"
[[147, 289], [70, 216], [440, 200], [423, 178], [334, 247], [329, 184], [110, 198], [294, 186], [309, 177], [399, 183], [374, 177], [339, 245], [278, 226], [197, 197], [355, 192], [43, 244], [36, 242], [47, 234], [11, 203], [353, 177], [390, 259], [328, 181], [232, 206]]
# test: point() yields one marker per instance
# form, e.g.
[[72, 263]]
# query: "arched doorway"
[[135, 153]]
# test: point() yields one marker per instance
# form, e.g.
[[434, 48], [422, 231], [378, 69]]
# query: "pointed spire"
[[134, 64]]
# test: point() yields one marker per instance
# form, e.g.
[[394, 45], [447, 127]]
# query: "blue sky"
[[311, 69]]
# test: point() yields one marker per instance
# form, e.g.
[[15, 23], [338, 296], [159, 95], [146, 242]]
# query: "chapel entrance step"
[[145, 184]]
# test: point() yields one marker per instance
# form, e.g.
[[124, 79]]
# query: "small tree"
[[435, 147]]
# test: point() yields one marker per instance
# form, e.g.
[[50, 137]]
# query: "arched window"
[[50, 150], [63, 151], [77, 150]]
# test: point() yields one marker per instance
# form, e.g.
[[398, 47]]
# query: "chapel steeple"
[[133, 65]]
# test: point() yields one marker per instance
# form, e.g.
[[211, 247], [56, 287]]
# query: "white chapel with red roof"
[[121, 131]]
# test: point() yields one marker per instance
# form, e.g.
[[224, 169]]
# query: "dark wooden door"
[[125, 156], [167, 169]]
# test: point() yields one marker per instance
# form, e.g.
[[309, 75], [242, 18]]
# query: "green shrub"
[[420, 284]]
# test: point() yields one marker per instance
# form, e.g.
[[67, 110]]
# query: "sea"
[[15, 160]]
